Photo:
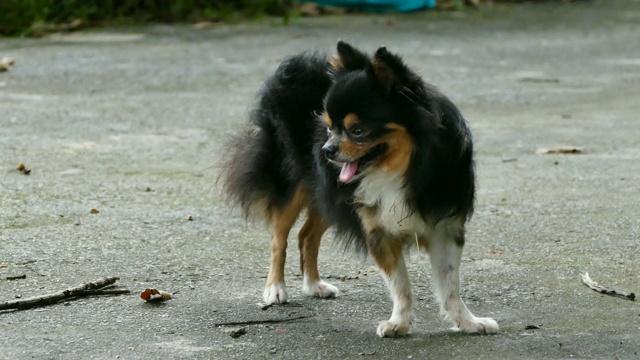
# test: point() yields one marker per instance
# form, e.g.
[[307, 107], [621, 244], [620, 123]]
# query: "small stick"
[[23, 276], [106, 292], [62, 295], [605, 290], [255, 322]]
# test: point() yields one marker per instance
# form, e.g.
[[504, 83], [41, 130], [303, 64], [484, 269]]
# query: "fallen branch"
[[106, 292], [561, 150], [605, 290], [268, 321], [267, 306], [23, 276], [82, 290]]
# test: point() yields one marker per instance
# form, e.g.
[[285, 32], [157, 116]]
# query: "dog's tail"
[[267, 163]]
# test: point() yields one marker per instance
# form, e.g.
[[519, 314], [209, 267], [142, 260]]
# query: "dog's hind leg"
[[445, 252], [281, 220], [309, 239]]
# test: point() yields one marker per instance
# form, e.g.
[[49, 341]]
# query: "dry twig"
[[106, 292], [561, 150], [605, 290], [255, 322], [17, 277], [82, 290]]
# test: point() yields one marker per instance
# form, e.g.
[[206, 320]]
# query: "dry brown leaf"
[[7, 60], [493, 252], [561, 150], [153, 295], [3, 266], [94, 211], [5, 63]]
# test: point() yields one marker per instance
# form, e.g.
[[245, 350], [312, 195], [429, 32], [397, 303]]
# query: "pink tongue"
[[348, 170]]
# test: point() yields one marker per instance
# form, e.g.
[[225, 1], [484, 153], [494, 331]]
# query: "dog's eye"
[[356, 132]]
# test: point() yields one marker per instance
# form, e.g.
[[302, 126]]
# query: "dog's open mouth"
[[350, 169]]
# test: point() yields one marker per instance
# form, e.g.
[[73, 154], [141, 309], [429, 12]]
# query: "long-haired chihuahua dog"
[[363, 145]]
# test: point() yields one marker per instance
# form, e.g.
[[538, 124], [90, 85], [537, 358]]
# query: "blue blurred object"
[[378, 5]]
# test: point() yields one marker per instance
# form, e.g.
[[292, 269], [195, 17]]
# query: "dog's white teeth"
[[348, 171]]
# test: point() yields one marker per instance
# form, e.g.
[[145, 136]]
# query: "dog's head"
[[366, 124]]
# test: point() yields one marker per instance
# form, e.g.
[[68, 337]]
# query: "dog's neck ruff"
[[386, 192]]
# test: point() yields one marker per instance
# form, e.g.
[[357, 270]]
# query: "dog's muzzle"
[[330, 150]]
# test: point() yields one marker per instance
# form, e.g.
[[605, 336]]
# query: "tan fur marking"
[[351, 150], [335, 62], [384, 74], [309, 239], [350, 121], [400, 149], [386, 254], [282, 221], [369, 218], [384, 248], [397, 157], [327, 120]]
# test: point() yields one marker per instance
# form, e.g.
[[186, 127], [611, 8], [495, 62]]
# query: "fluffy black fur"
[[283, 148], [270, 159]]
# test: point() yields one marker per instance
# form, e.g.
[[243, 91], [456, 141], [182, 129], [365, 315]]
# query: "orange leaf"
[[493, 252], [153, 295]]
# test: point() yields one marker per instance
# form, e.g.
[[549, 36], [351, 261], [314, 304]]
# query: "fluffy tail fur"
[[269, 161]]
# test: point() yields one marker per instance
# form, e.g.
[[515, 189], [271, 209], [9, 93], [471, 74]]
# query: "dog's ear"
[[348, 58], [389, 69]]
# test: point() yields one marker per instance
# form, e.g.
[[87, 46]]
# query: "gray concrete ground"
[[130, 121]]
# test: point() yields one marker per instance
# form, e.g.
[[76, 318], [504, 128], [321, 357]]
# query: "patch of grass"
[[17, 17]]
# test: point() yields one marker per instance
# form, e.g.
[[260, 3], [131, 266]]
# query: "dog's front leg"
[[445, 251], [387, 252]]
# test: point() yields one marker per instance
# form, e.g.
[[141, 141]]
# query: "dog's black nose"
[[330, 150]]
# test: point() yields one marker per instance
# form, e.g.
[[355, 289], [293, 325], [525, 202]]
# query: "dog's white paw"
[[478, 325], [393, 328], [319, 288], [275, 294]]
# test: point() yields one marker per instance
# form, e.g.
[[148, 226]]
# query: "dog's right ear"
[[348, 58]]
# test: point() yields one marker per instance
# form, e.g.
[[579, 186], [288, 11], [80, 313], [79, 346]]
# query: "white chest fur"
[[386, 192]]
